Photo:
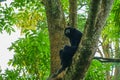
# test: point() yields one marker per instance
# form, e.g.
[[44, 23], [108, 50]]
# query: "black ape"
[[68, 52], [74, 35]]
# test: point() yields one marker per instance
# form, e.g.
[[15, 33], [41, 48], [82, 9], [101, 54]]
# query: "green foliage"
[[32, 53], [97, 71], [21, 4], [81, 21], [29, 14], [65, 6], [112, 27], [28, 19], [0, 74], [11, 74], [6, 19], [83, 7], [116, 11], [23, 13]]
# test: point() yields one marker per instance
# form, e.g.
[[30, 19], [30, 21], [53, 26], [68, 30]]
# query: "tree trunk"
[[98, 13], [56, 26], [73, 13]]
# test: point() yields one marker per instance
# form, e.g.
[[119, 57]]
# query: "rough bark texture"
[[56, 26], [98, 13], [73, 13]]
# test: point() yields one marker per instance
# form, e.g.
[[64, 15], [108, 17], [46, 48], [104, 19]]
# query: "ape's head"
[[74, 35], [69, 32]]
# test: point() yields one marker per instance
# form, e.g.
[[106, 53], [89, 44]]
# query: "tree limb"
[[56, 25], [101, 59], [73, 13], [98, 13]]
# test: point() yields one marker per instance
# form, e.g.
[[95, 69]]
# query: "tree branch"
[[98, 13], [101, 59], [56, 26], [73, 13], [99, 51]]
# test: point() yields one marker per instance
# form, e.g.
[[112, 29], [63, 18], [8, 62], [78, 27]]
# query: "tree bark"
[[56, 26], [98, 13], [73, 13]]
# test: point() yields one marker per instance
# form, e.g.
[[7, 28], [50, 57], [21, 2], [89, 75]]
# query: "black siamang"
[[68, 52], [74, 35]]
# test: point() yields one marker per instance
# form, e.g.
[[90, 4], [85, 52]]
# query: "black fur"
[[68, 52], [74, 35], [66, 55]]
